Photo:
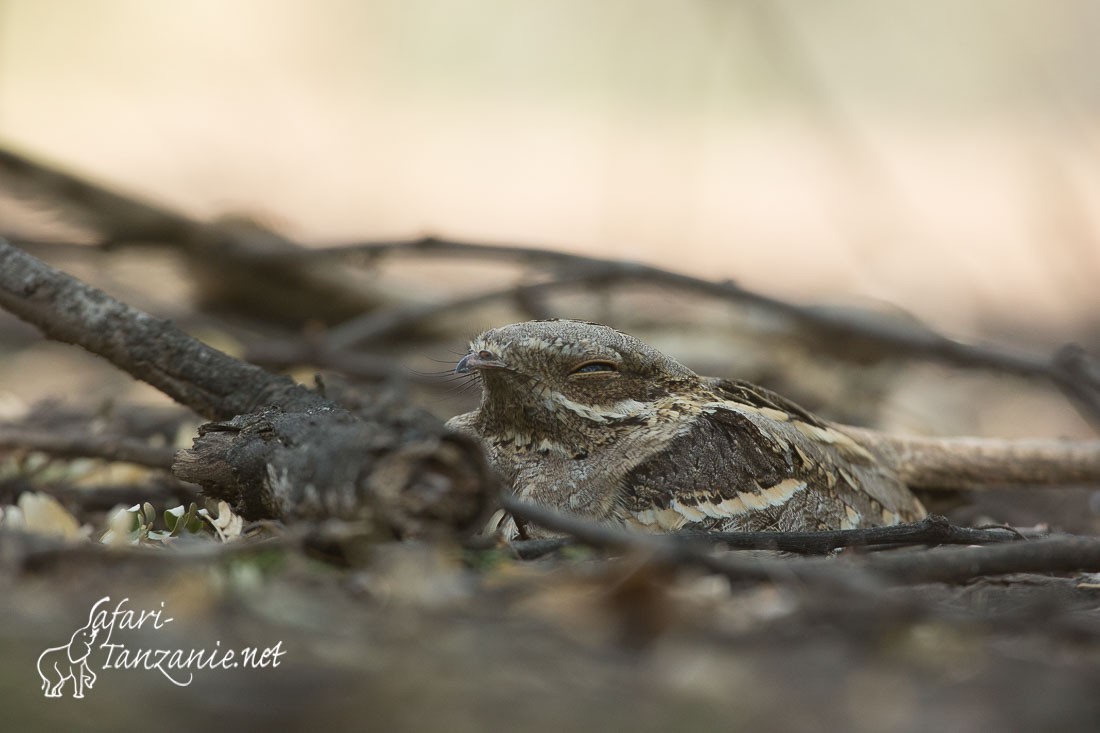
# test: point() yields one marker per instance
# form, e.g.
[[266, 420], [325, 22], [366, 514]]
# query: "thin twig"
[[281, 354], [86, 445], [376, 326], [665, 550], [932, 530], [903, 337], [33, 552], [1078, 375], [1049, 555], [230, 258], [900, 337], [1061, 554], [103, 497]]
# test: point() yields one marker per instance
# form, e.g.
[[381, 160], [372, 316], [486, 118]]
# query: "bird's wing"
[[756, 462], [748, 393]]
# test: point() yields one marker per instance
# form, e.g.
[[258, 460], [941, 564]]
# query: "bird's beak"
[[480, 360]]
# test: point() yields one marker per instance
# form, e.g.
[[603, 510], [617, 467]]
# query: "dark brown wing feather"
[[757, 396], [738, 469]]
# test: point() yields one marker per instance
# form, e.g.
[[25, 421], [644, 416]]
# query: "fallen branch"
[[288, 353], [902, 337], [245, 265], [1078, 375], [85, 445], [287, 451], [932, 530], [166, 493], [1053, 555], [232, 260], [208, 381], [1048, 555], [667, 551], [897, 337], [378, 326]]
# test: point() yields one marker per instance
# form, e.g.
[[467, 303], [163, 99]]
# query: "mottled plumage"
[[579, 417]]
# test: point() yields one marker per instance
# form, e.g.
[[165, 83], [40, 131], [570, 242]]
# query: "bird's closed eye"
[[595, 367]]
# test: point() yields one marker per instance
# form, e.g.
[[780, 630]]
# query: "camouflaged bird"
[[582, 418]]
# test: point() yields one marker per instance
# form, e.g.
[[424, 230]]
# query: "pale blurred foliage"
[[42, 514], [936, 155]]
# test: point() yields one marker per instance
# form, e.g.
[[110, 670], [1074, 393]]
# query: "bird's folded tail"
[[970, 463]]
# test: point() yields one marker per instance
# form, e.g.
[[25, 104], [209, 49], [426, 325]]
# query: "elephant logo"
[[60, 664]]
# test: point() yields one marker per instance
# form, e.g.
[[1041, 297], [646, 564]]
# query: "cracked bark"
[[278, 449]]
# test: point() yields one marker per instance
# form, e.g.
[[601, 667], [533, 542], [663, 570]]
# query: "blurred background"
[[922, 161], [929, 158]]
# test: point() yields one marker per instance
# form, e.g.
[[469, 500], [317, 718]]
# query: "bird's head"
[[551, 378]]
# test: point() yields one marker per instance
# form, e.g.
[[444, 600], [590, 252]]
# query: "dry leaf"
[[44, 515]]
